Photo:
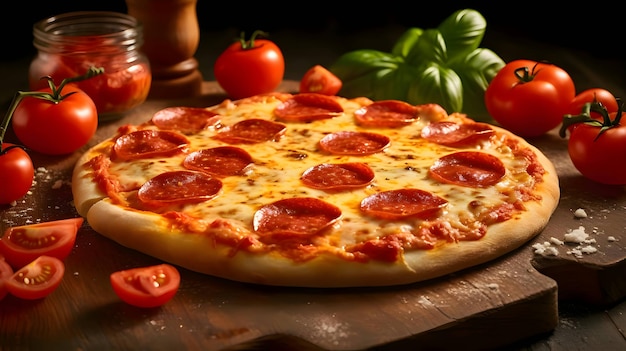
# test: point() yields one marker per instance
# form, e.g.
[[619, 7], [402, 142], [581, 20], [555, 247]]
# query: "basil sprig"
[[442, 65]]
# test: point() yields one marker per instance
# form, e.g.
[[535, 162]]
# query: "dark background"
[[319, 32], [597, 26]]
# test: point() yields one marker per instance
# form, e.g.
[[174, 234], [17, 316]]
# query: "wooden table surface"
[[500, 303], [521, 302]]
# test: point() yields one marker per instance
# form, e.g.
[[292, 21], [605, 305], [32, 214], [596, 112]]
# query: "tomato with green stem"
[[250, 67], [55, 120], [597, 148], [146, 287], [37, 279], [529, 98], [23, 244]]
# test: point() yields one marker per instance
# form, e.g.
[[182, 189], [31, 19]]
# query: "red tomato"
[[529, 98], [23, 244], [248, 68], [320, 80], [56, 128], [37, 279], [146, 286], [16, 173], [6, 271], [594, 94], [597, 148]]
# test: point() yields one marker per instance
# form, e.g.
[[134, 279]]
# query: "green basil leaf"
[[463, 31], [430, 47], [406, 41], [384, 83], [368, 73], [439, 85], [476, 72], [358, 63]]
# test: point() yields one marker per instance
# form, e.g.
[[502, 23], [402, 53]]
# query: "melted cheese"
[[279, 165]]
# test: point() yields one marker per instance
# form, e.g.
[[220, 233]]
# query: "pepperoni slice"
[[220, 161], [338, 177], [468, 168], [308, 107], [386, 113], [402, 203], [187, 120], [251, 131], [302, 215], [354, 143], [147, 143], [457, 135], [179, 187]]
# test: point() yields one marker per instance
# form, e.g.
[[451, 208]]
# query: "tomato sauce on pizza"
[[317, 191]]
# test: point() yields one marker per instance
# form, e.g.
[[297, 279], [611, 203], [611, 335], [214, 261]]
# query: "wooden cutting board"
[[495, 304]]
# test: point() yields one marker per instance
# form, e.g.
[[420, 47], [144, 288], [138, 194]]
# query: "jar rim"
[[68, 32], [88, 23]]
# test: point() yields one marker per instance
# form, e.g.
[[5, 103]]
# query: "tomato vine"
[[585, 117]]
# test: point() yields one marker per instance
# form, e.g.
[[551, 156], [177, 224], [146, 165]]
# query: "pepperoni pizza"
[[316, 191]]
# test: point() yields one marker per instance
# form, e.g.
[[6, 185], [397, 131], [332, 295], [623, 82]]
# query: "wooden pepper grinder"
[[171, 36]]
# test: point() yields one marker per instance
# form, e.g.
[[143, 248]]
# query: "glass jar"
[[68, 44]]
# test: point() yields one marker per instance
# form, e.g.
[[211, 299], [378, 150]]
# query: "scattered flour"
[[580, 213], [578, 237]]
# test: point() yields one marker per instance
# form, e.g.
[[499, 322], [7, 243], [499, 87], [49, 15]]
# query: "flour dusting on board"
[[577, 241]]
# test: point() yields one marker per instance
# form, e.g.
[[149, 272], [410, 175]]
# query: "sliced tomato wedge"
[[21, 245], [146, 287], [37, 279], [320, 80], [6, 271]]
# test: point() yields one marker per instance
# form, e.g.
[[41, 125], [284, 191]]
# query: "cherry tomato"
[[320, 80], [16, 173], [529, 98], [6, 271], [248, 68], [37, 279], [597, 148], [56, 128], [146, 286], [23, 244], [594, 94]]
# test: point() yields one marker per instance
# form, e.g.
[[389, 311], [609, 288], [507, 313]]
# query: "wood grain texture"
[[494, 304]]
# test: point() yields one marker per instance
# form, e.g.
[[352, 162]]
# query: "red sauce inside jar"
[[69, 44]]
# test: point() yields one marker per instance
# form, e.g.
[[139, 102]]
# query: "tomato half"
[[37, 279], [594, 94], [320, 80], [529, 98], [21, 245], [16, 173], [146, 286], [6, 271], [56, 128], [249, 68]]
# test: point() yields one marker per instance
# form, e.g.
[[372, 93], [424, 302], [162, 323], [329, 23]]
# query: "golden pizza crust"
[[85, 191], [148, 233]]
